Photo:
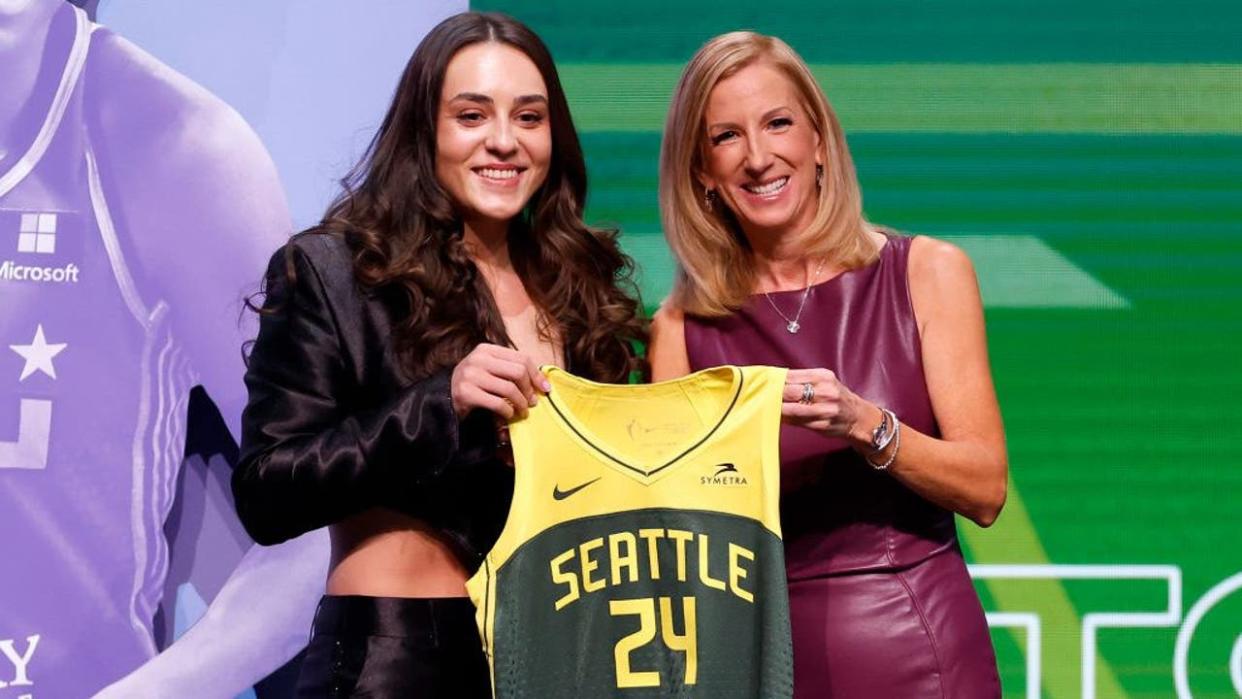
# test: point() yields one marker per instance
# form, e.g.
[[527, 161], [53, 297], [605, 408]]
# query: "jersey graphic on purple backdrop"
[[63, 271], [119, 282]]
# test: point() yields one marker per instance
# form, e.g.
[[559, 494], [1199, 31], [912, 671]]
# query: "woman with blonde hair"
[[891, 418]]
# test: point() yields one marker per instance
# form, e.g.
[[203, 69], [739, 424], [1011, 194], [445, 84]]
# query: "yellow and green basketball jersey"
[[642, 555]]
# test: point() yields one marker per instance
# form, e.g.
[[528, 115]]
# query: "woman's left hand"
[[832, 409]]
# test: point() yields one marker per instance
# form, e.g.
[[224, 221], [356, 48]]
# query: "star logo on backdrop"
[[38, 354]]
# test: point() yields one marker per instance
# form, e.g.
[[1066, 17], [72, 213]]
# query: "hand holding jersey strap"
[[498, 379], [817, 399]]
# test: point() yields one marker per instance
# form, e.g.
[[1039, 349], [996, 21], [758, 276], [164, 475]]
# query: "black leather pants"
[[394, 647]]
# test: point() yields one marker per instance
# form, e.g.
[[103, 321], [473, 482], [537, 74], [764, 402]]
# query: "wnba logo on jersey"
[[19, 661], [724, 474]]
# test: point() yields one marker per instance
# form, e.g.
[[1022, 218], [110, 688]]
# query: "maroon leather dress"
[[880, 600]]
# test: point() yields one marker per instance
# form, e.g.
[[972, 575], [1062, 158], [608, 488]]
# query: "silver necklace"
[[792, 324]]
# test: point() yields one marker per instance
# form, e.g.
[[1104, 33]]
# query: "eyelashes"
[[780, 123], [528, 119]]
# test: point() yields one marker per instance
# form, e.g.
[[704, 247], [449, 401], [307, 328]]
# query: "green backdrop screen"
[[1088, 156]]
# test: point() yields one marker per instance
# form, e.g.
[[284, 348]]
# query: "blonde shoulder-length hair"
[[715, 271]]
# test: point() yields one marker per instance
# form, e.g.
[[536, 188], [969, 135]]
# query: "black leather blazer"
[[333, 427]]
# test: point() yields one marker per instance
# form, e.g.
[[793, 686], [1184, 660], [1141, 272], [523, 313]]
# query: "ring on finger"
[[808, 394]]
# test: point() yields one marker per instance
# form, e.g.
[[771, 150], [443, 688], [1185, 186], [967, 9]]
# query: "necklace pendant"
[[793, 327]]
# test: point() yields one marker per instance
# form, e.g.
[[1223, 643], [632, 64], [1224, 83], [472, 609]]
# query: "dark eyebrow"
[[472, 97], [484, 99]]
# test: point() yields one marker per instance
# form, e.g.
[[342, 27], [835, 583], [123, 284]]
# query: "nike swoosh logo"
[[559, 494]]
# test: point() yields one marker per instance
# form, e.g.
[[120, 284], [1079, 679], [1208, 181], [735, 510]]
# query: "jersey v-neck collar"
[[600, 447]]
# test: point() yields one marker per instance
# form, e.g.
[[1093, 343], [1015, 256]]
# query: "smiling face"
[[761, 150], [493, 139]]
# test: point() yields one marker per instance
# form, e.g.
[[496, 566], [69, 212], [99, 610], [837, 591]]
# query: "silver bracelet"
[[883, 433], [896, 441]]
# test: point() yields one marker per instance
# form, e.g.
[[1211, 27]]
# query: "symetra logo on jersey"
[[724, 474]]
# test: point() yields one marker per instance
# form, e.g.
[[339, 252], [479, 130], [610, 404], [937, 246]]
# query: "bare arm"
[[966, 469], [667, 351]]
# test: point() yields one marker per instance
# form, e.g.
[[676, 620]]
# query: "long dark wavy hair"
[[407, 237]]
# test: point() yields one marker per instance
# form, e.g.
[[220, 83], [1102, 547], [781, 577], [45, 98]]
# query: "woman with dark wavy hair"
[[396, 335]]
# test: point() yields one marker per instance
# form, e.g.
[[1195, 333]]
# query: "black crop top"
[[333, 428]]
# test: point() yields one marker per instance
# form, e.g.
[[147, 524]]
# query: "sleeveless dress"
[[880, 600]]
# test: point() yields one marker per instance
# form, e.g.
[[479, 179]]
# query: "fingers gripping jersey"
[[642, 554]]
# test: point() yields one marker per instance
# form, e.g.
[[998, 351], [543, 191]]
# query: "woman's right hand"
[[499, 379]]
